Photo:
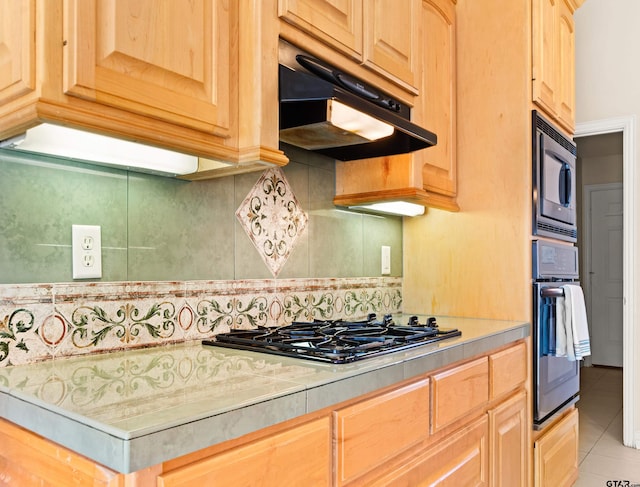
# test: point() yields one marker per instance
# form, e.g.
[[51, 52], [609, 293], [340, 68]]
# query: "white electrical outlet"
[[86, 250], [386, 260]]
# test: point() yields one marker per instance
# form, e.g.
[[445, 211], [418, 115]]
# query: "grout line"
[[600, 378]]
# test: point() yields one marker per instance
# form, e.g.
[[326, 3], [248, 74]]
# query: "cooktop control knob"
[[432, 322]]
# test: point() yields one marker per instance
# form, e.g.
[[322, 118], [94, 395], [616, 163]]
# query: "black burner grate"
[[336, 341]]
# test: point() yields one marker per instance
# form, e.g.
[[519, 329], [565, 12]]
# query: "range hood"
[[330, 112]]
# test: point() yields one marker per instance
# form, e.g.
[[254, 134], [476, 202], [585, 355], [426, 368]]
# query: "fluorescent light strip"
[[403, 208], [69, 143]]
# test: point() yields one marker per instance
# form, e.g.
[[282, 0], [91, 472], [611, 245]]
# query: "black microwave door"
[[557, 182]]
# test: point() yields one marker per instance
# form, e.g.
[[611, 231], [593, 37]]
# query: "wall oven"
[[556, 380], [554, 182]]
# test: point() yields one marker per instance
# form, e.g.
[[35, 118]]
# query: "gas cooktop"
[[336, 341]]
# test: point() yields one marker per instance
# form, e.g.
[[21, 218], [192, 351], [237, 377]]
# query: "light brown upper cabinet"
[[17, 51], [380, 34], [426, 177], [553, 59], [169, 61], [179, 76], [436, 105]]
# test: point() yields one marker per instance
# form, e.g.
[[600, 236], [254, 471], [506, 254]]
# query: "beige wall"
[[477, 262]]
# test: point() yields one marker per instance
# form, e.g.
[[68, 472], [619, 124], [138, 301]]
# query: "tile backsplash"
[[165, 229], [178, 264]]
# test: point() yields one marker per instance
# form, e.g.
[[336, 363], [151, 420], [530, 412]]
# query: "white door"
[[604, 268]]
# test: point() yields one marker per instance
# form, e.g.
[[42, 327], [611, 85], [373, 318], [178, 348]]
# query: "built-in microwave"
[[554, 181]]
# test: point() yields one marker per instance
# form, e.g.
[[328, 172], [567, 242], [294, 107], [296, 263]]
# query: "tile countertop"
[[134, 409]]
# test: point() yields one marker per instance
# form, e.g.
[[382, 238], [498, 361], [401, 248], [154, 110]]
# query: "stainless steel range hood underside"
[[305, 102]]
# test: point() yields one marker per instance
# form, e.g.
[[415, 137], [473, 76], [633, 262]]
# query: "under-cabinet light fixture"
[[402, 208], [70, 143]]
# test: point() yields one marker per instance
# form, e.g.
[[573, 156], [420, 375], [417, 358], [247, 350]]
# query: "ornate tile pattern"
[[272, 218], [40, 321]]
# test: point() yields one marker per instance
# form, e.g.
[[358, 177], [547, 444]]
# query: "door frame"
[[586, 242], [630, 379]]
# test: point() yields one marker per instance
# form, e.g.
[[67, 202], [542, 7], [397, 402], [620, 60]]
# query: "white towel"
[[572, 332]]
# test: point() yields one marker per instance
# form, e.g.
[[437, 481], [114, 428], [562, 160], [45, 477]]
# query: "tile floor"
[[603, 457]]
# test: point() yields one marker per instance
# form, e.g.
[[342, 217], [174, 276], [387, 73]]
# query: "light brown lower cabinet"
[[383, 438], [282, 459], [371, 432], [508, 454], [555, 453], [461, 459]]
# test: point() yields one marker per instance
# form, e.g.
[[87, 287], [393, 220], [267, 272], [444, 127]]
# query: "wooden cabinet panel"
[[567, 63], [436, 103], [27, 460], [391, 38], [508, 427], [379, 34], [555, 454], [544, 45], [507, 370], [17, 49], [461, 459], [167, 60], [458, 391], [553, 59], [373, 431], [284, 458], [335, 22]]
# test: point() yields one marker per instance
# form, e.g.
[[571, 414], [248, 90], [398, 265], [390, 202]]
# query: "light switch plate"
[[86, 251], [386, 260]]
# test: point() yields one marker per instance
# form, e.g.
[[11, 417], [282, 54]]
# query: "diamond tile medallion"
[[272, 218]]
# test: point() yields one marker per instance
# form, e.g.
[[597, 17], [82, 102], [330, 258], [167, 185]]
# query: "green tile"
[[40, 199], [180, 230], [379, 231], [158, 228]]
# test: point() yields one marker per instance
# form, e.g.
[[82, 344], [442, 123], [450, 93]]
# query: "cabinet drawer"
[[374, 430], [507, 369], [458, 391], [302, 452]]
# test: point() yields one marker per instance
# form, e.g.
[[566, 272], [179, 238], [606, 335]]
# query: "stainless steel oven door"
[[556, 379]]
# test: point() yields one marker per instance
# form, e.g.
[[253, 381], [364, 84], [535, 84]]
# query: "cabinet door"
[[391, 39], [436, 104], [375, 430], [555, 454], [166, 60], [285, 458], [338, 23], [545, 53], [17, 49], [508, 451], [567, 67], [460, 459], [458, 392]]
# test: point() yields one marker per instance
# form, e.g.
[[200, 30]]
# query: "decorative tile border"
[[44, 321]]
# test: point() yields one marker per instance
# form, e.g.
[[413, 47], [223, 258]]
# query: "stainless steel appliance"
[[556, 380], [336, 341], [326, 110], [554, 182]]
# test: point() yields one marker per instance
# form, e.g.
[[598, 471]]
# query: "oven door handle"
[[552, 292]]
